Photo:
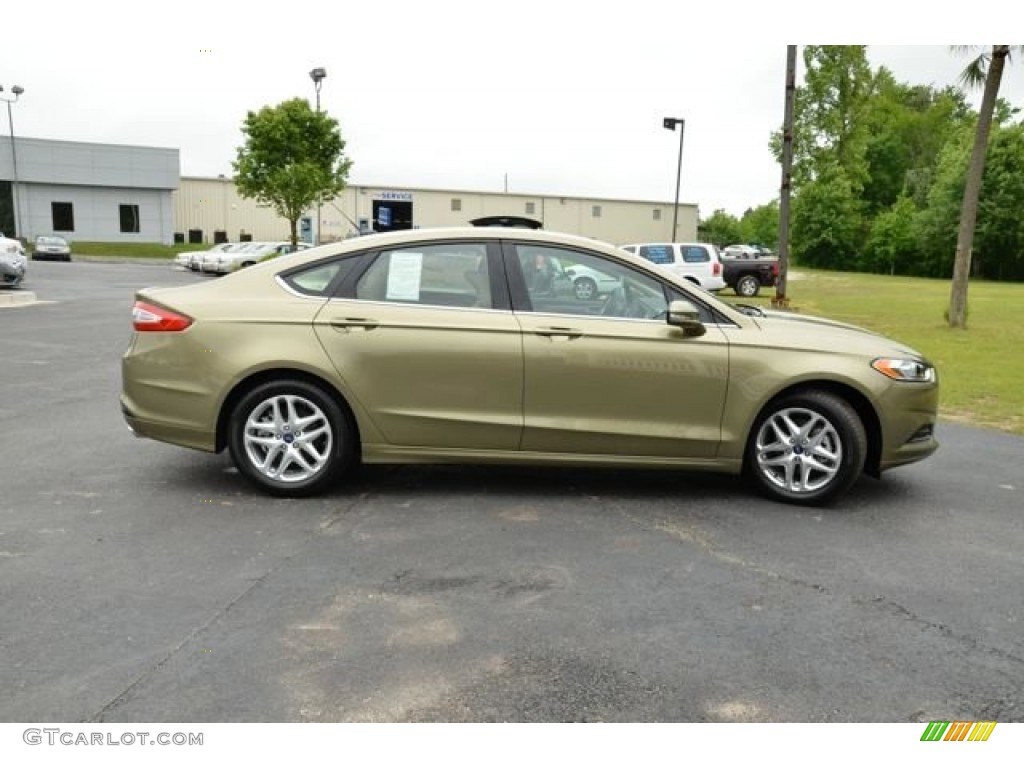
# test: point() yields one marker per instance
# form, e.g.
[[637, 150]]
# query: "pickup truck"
[[746, 276]]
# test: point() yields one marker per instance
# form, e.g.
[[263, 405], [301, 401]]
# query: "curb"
[[13, 299], [155, 260]]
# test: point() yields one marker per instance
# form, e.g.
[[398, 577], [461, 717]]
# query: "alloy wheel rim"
[[288, 438], [798, 450], [584, 290]]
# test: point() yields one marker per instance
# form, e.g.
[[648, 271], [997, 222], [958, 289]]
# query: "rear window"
[[316, 279], [657, 254], [694, 254]]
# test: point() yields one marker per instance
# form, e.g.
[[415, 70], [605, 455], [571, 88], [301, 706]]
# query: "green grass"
[[134, 250], [981, 370]]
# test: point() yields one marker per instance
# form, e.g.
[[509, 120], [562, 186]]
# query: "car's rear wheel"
[[806, 448], [748, 286], [290, 437]]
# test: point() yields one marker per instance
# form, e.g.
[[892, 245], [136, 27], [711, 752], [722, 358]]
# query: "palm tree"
[[987, 68]]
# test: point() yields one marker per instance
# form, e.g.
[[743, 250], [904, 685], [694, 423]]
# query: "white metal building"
[[85, 191], [210, 209]]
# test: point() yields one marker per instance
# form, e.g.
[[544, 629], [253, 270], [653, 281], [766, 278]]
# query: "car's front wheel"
[[290, 437], [748, 286], [806, 448]]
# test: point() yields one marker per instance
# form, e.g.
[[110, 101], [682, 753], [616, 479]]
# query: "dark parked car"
[[746, 275]]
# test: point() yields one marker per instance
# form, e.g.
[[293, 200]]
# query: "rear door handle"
[[347, 323], [555, 330]]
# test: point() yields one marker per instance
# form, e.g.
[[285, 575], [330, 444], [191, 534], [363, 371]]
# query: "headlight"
[[904, 370]]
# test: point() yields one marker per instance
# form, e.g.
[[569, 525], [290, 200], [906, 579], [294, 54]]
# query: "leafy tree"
[[293, 156], [999, 235], [827, 223], [907, 128], [936, 223], [988, 69], [892, 244], [720, 228], [829, 128], [760, 225]]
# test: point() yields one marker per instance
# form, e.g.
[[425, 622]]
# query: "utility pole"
[[781, 300]]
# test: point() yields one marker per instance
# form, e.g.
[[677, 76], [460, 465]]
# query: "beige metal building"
[[210, 210]]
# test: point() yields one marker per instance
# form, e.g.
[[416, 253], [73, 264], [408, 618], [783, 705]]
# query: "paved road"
[[140, 582]]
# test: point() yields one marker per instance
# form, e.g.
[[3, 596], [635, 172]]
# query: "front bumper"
[[11, 273]]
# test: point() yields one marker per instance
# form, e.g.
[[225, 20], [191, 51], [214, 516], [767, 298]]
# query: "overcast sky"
[[563, 97]]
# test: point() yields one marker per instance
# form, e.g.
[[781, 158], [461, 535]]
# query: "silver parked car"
[[51, 248], [12, 262], [232, 261]]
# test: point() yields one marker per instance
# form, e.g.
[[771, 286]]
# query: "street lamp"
[[17, 90], [317, 75], [670, 123]]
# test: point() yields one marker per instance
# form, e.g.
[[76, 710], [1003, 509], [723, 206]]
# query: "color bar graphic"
[[960, 730]]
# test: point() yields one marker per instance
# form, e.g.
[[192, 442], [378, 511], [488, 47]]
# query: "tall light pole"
[[17, 90], [317, 75], [670, 123]]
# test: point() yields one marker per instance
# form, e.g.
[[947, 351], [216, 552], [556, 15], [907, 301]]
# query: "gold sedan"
[[474, 346]]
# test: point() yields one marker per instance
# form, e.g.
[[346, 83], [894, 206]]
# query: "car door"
[[608, 375], [426, 341]]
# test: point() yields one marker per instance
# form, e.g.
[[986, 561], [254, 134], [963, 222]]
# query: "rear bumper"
[[166, 433]]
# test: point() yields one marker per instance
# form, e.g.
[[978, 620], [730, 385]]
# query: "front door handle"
[[347, 323], [557, 330]]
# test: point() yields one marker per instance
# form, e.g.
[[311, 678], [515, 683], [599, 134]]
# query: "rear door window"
[[657, 254], [447, 275]]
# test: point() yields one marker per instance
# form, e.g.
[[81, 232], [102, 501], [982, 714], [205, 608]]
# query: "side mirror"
[[683, 314]]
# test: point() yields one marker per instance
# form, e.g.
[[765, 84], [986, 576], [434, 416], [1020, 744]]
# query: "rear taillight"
[[717, 269], [775, 269], [148, 317]]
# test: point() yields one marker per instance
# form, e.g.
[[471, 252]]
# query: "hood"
[[788, 329]]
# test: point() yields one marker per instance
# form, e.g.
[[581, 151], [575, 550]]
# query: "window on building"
[[531, 207], [657, 214], [129, 218], [456, 204], [63, 215], [596, 211]]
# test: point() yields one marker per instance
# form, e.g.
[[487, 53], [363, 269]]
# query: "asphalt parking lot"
[[145, 583]]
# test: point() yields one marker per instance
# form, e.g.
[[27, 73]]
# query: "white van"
[[697, 262]]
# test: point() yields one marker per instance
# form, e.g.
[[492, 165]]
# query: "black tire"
[[748, 286], [321, 456], [584, 289], [817, 463]]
